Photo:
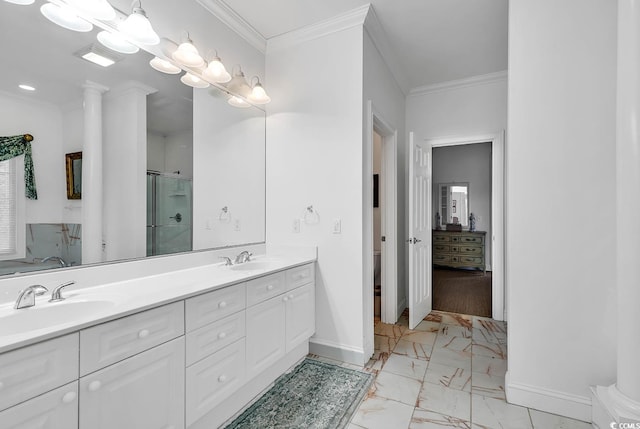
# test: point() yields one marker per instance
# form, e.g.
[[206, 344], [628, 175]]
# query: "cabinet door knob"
[[222, 335], [222, 378], [94, 386], [222, 304], [69, 397], [143, 334], [270, 287]]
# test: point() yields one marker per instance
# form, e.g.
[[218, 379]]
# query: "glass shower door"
[[169, 214]]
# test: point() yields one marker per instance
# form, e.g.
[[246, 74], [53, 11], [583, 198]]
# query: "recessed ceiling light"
[[26, 87], [98, 59], [98, 54]]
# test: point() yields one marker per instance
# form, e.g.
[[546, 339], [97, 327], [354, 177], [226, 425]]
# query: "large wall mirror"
[[453, 203], [182, 169]]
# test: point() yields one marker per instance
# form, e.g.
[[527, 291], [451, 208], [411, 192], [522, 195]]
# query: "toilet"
[[377, 291]]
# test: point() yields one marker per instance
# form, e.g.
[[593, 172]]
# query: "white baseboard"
[[548, 400], [337, 352]]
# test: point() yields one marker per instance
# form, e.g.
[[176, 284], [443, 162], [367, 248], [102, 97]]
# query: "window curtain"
[[13, 146]]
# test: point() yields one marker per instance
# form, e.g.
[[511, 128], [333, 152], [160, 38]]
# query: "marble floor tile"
[[451, 318], [551, 421], [488, 365], [496, 414], [427, 326], [402, 365], [489, 324], [448, 376], [453, 343], [455, 331], [381, 413], [481, 334], [440, 399], [394, 331], [491, 386], [396, 387], [452, 358], [422, 337], [352, 426], [383, 346], [413, 350], [484, 348], [423, 419], [374, 365]]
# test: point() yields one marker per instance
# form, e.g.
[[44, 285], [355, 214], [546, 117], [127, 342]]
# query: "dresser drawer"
[[468, 239], [57, 409], [471, 250], [471, 260], [213, 379], [441, 258], [455, 239], [213, 337], [266, 287], [204, 309], [441, 238], [114, 341], [34, 370], [300, 276], [443, 248]]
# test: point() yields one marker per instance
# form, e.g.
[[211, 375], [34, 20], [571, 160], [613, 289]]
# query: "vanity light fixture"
[[236, 101], [187, 54], [21, 2], [164, 66], [216, 71], [26, 87], [98, 9], [258, 94], [137, 27], [116, 42], [65, 17], [238, 84], [193, 80]]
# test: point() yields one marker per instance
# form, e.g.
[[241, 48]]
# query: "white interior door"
[[419, 231]]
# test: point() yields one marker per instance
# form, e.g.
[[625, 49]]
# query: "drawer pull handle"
[[143, 334], [94, 386], [222, 378], [222, 304], [270, 287], [222, 335], [69, 397]]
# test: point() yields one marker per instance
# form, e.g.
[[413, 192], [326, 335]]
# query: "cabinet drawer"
[[204, 309], [300, 276], [477, 239], [472, 260], [470, 250], [111, 342], [442, 248], [34, 370], [213, 379], [53, 410], [263, 288], [455, 239], [213, 337], [441, 258], [441, 238]]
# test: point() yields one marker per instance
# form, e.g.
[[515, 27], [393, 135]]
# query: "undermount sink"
[[45, 314], [252, 266]]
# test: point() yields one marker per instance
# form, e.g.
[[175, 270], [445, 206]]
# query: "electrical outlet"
[[296, 226], [337, 226], [236, 224]]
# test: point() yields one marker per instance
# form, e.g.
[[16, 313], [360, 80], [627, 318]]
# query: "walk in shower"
[[169, 213]]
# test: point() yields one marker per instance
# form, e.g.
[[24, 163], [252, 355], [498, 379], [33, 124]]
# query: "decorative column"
[[92, 174], [620, 403]]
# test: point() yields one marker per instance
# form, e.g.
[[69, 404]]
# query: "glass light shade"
[[98, 9], [238, 85], [238, 102], [116, 42], [259, 95], [188, 55], [164, 66], [193, 80], [137, 28], [22, 2], [216, 72], [65, 17]]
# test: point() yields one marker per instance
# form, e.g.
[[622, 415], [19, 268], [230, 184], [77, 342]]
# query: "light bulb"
[[193, 80], [65, 17], [187, 55], [259, 95], [138, 29], [164, 66], [236, 101], [216, 71]]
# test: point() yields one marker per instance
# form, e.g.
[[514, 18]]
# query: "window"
[[12, 227]]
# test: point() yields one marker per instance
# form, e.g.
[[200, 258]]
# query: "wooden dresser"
[[462, 249]]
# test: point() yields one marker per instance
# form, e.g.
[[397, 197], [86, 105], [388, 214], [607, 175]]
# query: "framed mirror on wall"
[[73, 166], [453, 203]]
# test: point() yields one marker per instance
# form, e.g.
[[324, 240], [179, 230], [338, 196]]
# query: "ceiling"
[[433, 40]]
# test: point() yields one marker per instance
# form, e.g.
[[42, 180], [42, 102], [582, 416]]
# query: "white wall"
[[156, 151], [561, 154], [170, 153], [472, 164], [315, 157]]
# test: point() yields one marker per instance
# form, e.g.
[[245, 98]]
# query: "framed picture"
[[375, 190], [73, 163]]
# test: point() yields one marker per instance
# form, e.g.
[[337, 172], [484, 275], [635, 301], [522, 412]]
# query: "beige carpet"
[[462, 291]]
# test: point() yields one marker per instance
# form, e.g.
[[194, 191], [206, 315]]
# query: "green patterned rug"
[[315, 395]]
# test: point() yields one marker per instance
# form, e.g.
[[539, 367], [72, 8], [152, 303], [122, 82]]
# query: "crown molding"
[[482, 79], [381, 42], [230, 17], [340, 22]]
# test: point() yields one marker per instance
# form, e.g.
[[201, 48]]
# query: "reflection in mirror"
[[148, 126], [73, 165], [454, 203]]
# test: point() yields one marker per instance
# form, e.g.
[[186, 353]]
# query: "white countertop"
[[134, 295]]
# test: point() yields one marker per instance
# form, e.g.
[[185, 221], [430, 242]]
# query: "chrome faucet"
[[55, 258], [243, 257], [56, 295], [227, 260], [27, 297]]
